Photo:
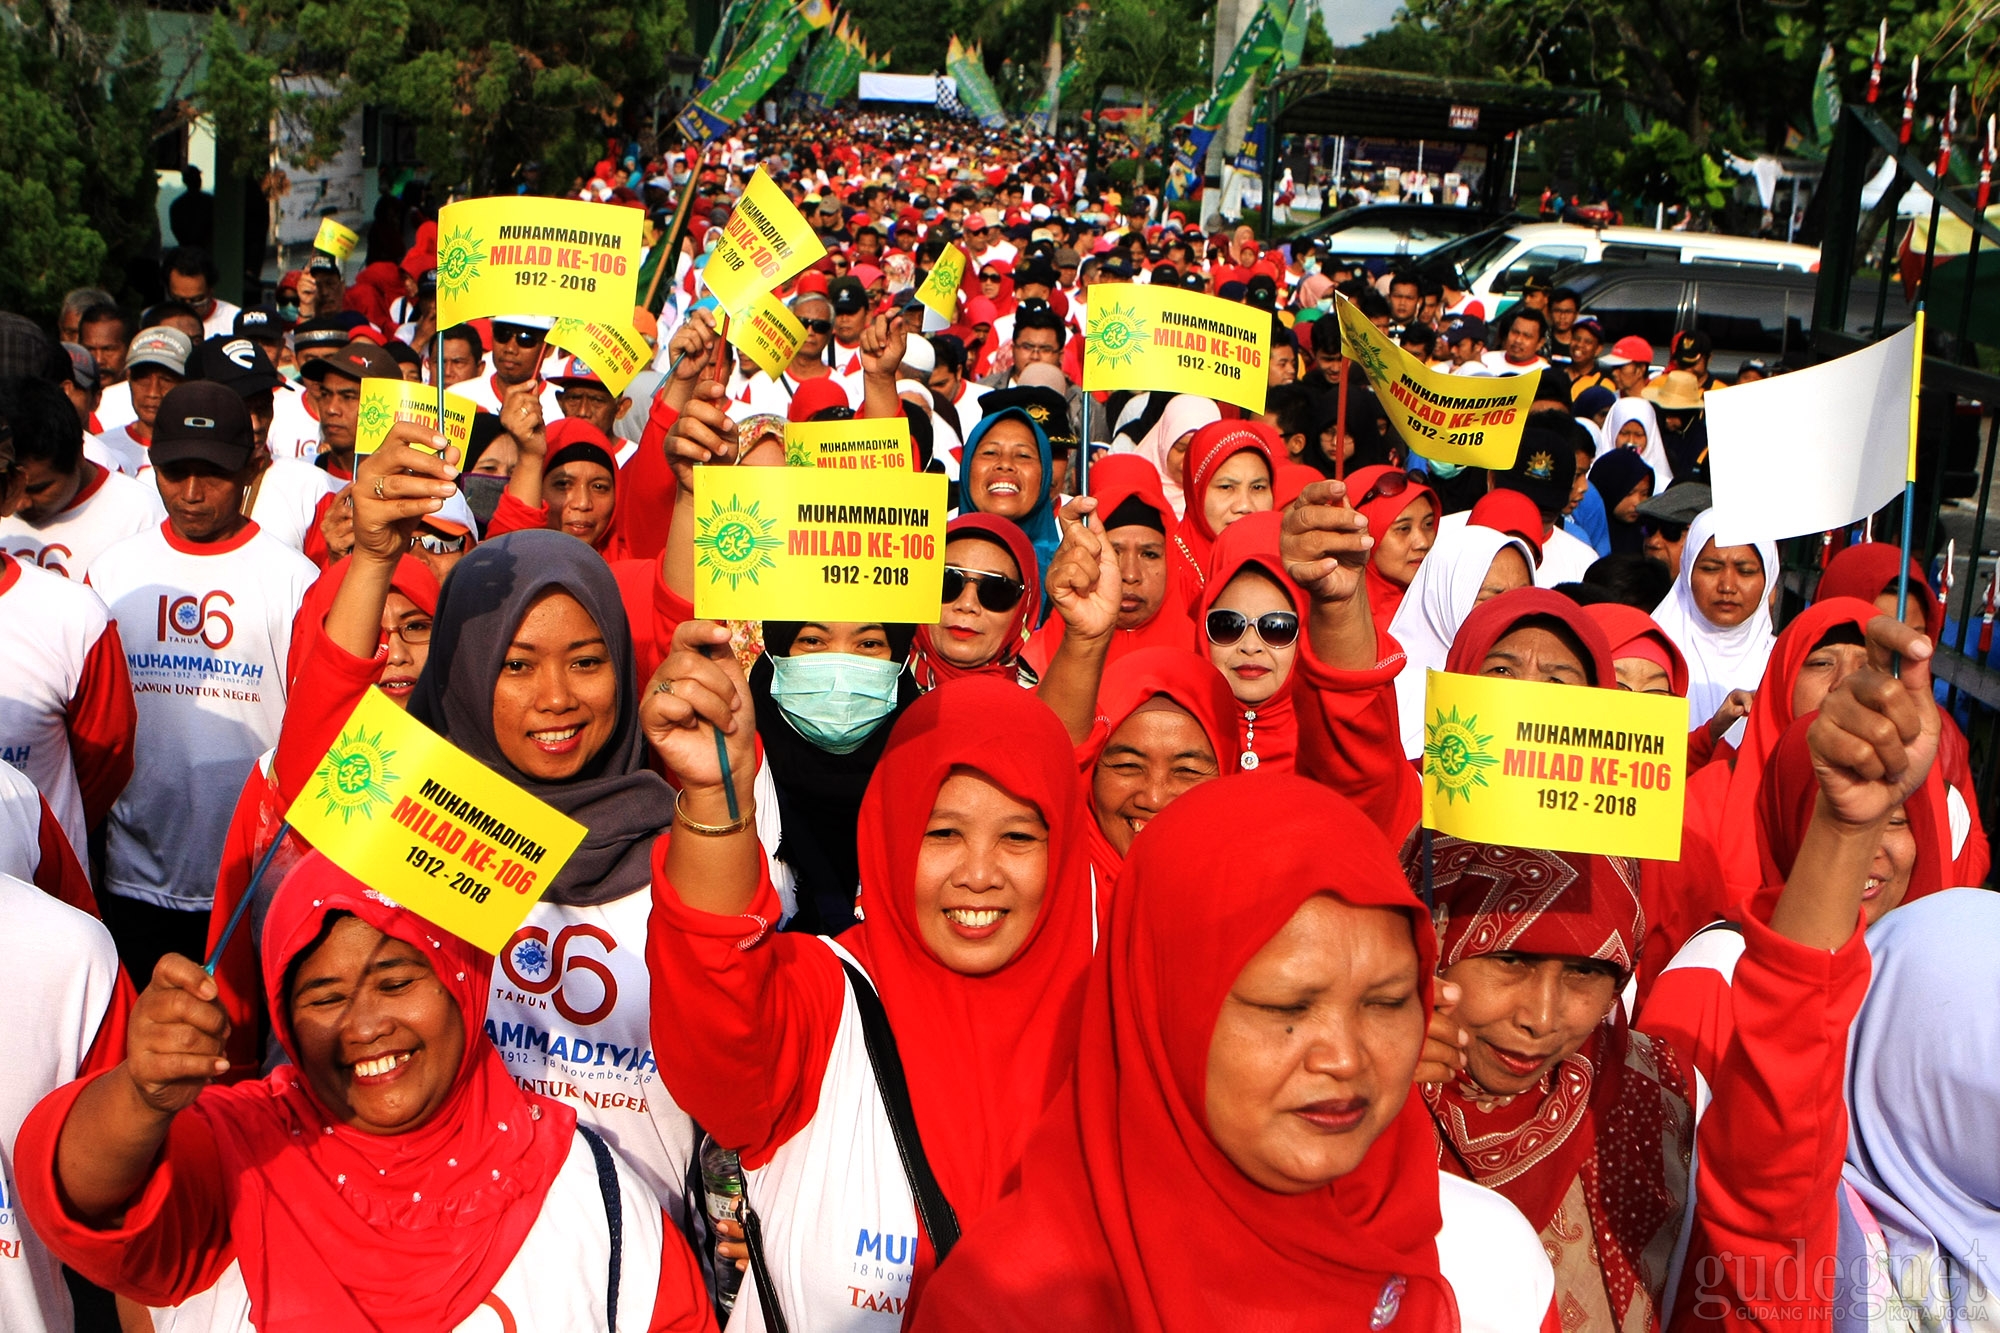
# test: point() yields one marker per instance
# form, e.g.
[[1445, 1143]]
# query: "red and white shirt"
[[294, 429], [66, 709], [290, 499], [33, 847], [119, 449], [206, 630], [107, 509]]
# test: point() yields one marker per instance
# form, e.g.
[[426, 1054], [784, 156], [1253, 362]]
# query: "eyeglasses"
[[1671, 532], [416, 633], [1040, 349], [996, 592], [818, 325], [503, 333], [1277, 629]]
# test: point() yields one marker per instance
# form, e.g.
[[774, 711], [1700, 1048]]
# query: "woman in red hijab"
[[392, 1176], [1869, 572], [1402, 515], [976, 935], [571, 485], [1249, 621], [1239, 1147], [1225, 475], [992, 590]]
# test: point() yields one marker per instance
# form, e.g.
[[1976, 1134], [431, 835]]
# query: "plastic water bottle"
[[722, 1181]]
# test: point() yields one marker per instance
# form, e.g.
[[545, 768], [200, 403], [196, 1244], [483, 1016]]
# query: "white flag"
[[1815, 449]]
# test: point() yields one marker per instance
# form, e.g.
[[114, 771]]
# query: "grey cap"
[[82, 367], [1682, 503], [160, 346]]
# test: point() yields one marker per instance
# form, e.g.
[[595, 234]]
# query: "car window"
[[1628, 252], [1539, 262], [1476, 254], [1743, 317], [1648, 307]]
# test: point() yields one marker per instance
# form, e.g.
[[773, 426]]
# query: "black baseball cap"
[[1543, 470], [1047, 408], [263, 323], [202, 421], [238, 364], [847, 295], [322, 262]]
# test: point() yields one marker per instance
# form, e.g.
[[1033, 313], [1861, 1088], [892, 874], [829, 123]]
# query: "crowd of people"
[[1074, 960]]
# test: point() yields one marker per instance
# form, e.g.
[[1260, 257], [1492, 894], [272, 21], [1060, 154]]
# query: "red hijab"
[[574, 440], [1634, 1102], [1180, 677], [335, 1227], [1271, 729], [816, 395], [1496, 618], [1384, 596], [1129, 1216], [1867, 571], [927, 665], [983, 1055], [1633, 633], [413, 579], [1212, 446]]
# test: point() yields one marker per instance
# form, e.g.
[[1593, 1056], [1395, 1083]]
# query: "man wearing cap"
[[71, 509], [519, 344], [1690, 351], [292, 430], [850, 316], [287, 494], [80, 385], [1545, 471], [581, 393], [154, 364], [1629, 363], [204, 605], [1665, 518], [323, 290], [1465, 339], [338, 381]]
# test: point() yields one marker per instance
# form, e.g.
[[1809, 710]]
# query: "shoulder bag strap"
[[614, 1216], [933, 1209], [760, 1272]]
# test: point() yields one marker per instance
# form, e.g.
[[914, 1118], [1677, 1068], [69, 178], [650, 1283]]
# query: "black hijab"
[[621, 803], [1616, 475]]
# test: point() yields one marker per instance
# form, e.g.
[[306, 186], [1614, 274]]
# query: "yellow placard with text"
[[794, 543], [616, 352], [384, 402], [516, 255], [1148, 337], [336, 239], [940, 290], [867, 446], [411, 816], [765, 241], [1466, 420], [768, 334], [1568, 768]]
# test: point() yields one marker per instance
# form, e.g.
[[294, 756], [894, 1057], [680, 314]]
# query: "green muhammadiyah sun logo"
[[373, 420], [799, 454], [1455, 754], [1117, 336], [733, 541], [352, 778], [458, 261]]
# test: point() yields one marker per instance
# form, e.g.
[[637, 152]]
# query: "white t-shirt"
[[1564, 558], [485, 391], [20, 825], [287, 498], [66, 981], [294, 429], [221, 321], [105, 512], [1498, 363], [559, 1279], [571, 1015], [966, 405], [51, 627], [206, 630], [114, 406]]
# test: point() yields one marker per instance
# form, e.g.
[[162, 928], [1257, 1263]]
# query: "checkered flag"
[[947, 97]]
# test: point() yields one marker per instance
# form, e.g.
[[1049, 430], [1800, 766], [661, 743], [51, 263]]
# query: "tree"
[[1150, 48], [1319, 48]]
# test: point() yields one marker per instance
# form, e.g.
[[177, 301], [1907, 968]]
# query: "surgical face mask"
[[835, 700], [1311, 267], [1444, 471]]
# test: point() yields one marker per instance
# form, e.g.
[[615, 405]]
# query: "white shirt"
[[967, 407], [206, 630], [67, 980], [1564, 558], [485, 391], [288, 497], [52, 627], [221, 321], [103, 513], [1498, 363], [114, 406], [294, 429], [122, 451]]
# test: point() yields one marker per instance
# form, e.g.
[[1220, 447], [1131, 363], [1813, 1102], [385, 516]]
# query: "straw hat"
[[1677, 390]]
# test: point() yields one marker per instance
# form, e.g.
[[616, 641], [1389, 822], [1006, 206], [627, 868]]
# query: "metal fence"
[[1957, 417]]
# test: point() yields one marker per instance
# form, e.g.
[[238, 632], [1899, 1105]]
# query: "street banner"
[[617, 352], [768, 334], [975, 90], [336, 240], [1816, 449], [1530, 764], [940, 290], [765, 241], [793, 543], [419, 821], [519, 255], [757, 66], [1464, 420], [1161, 337], [384, 402], [867, 445]]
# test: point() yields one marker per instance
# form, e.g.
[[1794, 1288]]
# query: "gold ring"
[[378, 489], [664, 687]]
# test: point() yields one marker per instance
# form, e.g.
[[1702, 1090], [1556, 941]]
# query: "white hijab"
[[1187, 412], [1719, 660], [1441, 596], [1655, 453]]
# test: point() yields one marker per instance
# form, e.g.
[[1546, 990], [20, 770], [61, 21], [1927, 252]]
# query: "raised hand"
[[1736, 706], [1084, 581], [882, 344], [1324, 543], [1876, 735], [173, 1045], [703, 433], [1443, 1057], [693, 342], [698, 688], [397, 487], [521, 417]]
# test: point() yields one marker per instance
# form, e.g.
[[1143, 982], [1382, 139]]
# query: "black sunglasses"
[[505, 333], [1672, 532], [1278, 629], [817, 325], [1391, 484], [996, 592]]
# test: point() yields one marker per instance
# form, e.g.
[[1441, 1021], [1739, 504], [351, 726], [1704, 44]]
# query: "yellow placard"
[[940, 290], [616, 352], [1160, 337], [1565, 767], [516, 255], [336, 239], [764, 242], [401, 809], [768, 334], [790, 543], [384, 402], [865, 445], [1466, 420]]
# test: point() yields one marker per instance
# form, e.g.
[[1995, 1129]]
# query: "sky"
[[1348, 21]]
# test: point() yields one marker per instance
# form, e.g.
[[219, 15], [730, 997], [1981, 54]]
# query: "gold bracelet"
[[736, 825]]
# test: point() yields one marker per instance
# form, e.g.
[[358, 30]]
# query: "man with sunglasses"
[[1665, 519], [519, 344]]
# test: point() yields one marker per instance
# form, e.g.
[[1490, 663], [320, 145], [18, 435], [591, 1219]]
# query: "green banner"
[[1045, 110], [1254, 49], [748, 78], [1293, 48], [975, 90]]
